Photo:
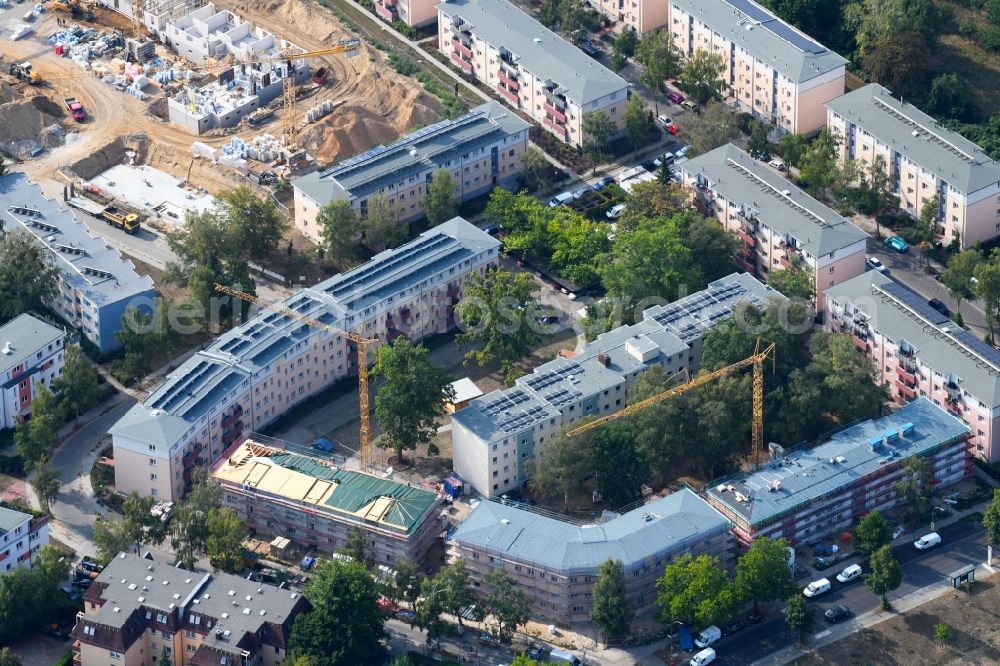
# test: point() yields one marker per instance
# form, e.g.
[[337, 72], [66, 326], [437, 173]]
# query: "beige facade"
[[923, 159], [253, 374], [777, 224], [772, 70], [414, 13], [528, 67], [481, 150], [642, 15]]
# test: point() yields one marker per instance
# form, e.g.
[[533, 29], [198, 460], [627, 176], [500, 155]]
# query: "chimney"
[[604, 360]]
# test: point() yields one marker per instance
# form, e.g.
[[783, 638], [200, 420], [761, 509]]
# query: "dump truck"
[[127, 222], [22, 72], [74, 8], [260, 115], [75, 108]]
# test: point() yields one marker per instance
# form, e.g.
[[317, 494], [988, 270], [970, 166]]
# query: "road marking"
[[822, 634]]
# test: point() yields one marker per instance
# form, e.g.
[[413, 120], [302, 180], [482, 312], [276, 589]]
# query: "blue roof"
[[667, 525], [787, 484]]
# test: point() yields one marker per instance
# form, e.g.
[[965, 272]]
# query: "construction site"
[[90, 89]]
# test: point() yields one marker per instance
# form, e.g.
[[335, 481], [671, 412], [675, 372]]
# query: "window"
[[115, 655]]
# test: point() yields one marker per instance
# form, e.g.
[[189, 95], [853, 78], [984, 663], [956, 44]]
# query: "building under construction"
[[225, 96], [313, 502], [156, 14]]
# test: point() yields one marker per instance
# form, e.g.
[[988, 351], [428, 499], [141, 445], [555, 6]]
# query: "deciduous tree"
[[345, 625], [792, 148], [439, 204], [914, 490], [759, 144], [226, 535], [30, 598], [495, 319], [661, 60], [382, 228], [508, 606], [27, 276], [638, 125], [800, 617], [189, 524], [431, 609], [45, 483], [763, 573], [111, 537], [715, 126], [562, 466], [694, 590], [339, 227], [254, 219], [872, 533], [619, 469], [817, 166], [8, 658], [957, 277], [987, 275], [34, 439], [612, 612], [356, 545], [406, 585], [77, 385], [794, 282], [459, 593], [597, 131], [885, 576], [409, 403], [702, 76], [991, 521], [951, 99], [536, 171]]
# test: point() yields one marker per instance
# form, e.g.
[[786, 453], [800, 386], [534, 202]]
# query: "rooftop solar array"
[[774, 25], [540, 381], [562, 395], [516, 421], [357, 278], [978, 347], [913, 301], [505, 402]]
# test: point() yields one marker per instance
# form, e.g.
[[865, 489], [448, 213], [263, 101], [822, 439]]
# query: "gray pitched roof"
[[743, 180], [9, 519], [26, 334], [426, 149], [666, 525], [859, 450], [85, 261], [769, 39], [908, 130], [901, 314], [202, 381], [535, 48]]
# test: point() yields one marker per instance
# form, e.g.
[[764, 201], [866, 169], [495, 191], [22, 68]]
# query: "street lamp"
[[933, 510]]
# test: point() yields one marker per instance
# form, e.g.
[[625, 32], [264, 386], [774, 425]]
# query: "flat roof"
[[25, 335], [85, 261], [301, 478], [911, 132], [465, 389], [535, 48], [425, 149], [778, 203], [202, 381], [787, 484], [605, 362], [10, 519], [763, 35], [901, 314], [662, 526]]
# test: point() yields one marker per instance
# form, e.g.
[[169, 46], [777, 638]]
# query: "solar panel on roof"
[[914, 301], [756, 12], [795, 38], [978, 346]]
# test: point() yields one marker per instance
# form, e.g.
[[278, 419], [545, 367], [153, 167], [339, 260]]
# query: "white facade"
[[20, 538], [31, 356]]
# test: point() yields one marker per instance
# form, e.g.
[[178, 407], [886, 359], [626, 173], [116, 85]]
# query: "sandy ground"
[[376, 104], [908, 639]]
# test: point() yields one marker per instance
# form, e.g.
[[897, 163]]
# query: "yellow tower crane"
[[756, 360], [362, 343]]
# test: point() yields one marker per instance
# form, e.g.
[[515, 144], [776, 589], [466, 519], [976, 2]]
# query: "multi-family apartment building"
[[482, 149], [923, 159], [778, 225], [773, 71], [641, 15], [817, 491], [529, 67], [137, 607], [414, 13], [254, 373], [918, 352], [95, 285], [313, 502], [556, 563], [498, 435], [31, 355], [21, 536]]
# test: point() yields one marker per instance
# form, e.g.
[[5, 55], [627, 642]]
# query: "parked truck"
[[75, 108], [127, 222]]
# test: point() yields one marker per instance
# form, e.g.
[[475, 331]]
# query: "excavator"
[[23, 72], [75, 8]]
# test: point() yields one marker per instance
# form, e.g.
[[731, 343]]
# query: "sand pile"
[[25, 119]]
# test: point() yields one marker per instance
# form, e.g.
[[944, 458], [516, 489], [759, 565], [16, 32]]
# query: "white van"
[[708, 636], [706, 656], [558, 656], [927, 541], [849, 574], [817, 587], [561, 199]]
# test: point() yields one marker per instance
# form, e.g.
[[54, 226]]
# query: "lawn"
[[908, 639]]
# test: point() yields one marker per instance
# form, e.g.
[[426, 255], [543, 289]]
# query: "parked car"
[[582, 192], [492, 229], [836, 613], [708, 636], [588, 47], [706, 656], [681, 152], [927, 541], [673, 130], [896, 243], [817, 587], [778, 164], [405, 615], [939, 306], [689, 105], [561, 199], [322, 444], [675, 97], [876, 264], [488, 639], [667, 157], [615, 211], [850, 574], [665, 120], [537, 652], [558, 656], [603, 182], [738, 625]]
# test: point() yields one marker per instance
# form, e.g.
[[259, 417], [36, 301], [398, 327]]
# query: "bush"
[[403, 65], [403, 29], [941, 632]]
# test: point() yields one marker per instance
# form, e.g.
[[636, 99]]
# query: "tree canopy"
[[695, 591], [612, 612], [27, 276], [872, 533], [763, 573], [885, 574], [439, 204]]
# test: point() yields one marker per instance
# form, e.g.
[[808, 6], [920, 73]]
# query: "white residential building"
[[31, 355], [21, 536]]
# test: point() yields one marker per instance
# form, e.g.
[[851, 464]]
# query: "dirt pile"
[[132, 147], [378, 104], [24, 121]]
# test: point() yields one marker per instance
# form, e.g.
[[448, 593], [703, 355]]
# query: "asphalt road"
[[145, 245], [962, 543]]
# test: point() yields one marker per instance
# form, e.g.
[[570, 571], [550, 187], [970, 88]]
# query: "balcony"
[[746, 237], [463, 49], [509, 80], [465, 65], [560, 130], [749, 266], [555, 112], [905, 375], [191, 455], [387, 13], [508, 95]]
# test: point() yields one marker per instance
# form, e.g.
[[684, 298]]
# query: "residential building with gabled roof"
[[32, 354]]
